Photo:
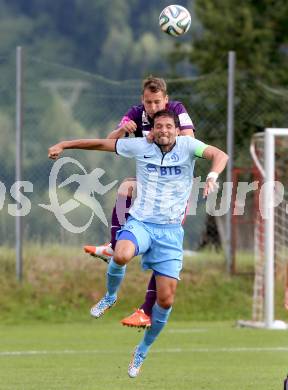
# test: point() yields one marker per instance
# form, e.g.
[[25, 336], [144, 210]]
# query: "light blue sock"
[[158, 321], [115, 274]]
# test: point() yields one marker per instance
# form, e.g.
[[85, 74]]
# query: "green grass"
[[95, 354], [48, 340], [61, 283]]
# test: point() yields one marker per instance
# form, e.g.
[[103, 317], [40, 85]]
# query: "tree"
[[256, 30], [258, 33], [118, 39]]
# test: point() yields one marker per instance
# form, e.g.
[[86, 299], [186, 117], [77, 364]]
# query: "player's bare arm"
[[219, 160], [187, 132], [129, 128], [107, 145]]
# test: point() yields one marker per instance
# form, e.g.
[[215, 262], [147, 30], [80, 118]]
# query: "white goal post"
[[269, 151], [269, 201]]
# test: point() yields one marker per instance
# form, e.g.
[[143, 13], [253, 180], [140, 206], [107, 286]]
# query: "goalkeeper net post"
[[271, 241], [269, 205]]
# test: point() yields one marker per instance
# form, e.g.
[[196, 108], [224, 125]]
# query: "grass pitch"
[[95, 355]]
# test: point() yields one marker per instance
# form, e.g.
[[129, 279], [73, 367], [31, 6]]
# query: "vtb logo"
[[163, 171]]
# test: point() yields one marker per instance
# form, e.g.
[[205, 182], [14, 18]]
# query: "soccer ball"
[[175, 20]]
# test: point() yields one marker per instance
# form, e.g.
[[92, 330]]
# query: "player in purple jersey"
[[138, 122]]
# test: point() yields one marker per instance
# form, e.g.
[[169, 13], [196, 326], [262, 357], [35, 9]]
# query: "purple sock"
[[150, 297], [119, 215]]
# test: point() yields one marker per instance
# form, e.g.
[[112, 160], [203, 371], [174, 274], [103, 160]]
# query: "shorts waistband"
[[158, 225]]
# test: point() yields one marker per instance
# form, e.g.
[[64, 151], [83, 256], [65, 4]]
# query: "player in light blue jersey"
[[164, 171], [138, 122]]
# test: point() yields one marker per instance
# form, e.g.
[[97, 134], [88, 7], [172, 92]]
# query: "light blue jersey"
[[164, 180]]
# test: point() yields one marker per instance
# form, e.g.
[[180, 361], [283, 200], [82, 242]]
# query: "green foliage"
[[122, 40], [257, 31], [118, 40], [6, 146]]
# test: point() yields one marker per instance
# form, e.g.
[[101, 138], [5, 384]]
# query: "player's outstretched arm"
[[219, 160], [107, 145], [129, 127]]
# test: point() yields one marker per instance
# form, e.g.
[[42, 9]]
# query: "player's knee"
[[166, 301], [126, 192], [128, 180], [127, 187], [122, 256]]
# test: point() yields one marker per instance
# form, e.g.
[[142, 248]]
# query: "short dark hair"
[[169, 114], [154, 84]]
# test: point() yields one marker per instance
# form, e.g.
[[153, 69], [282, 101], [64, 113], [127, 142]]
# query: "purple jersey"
[[142, 120]]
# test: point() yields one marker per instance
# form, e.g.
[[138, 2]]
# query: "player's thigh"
[[166, 289], [128, 187]]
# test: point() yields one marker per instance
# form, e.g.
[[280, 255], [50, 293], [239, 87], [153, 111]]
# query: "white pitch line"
[[164, 350]]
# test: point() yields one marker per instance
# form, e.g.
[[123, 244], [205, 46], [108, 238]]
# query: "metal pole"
[[269, 156], [230, 152], [18, 162]]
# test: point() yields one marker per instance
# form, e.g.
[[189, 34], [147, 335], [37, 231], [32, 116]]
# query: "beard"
[[164, 141]]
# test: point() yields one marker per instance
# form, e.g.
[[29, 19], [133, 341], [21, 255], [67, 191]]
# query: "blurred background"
[[82, 64]]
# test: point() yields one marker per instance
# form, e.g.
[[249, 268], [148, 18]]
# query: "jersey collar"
[[172, 147]]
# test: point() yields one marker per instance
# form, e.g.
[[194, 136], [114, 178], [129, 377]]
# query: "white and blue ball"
[[175, 20]]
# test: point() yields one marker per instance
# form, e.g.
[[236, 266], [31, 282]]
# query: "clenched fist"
[[128, 127], [55, 151]]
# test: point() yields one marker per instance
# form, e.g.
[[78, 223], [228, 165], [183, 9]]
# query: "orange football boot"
[[103, 252], [137, 320]]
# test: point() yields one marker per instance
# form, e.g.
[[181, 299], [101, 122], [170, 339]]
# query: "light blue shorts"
[[161, 246]]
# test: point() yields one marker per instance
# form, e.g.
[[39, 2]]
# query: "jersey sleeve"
[[130, 115], [184, 118], [196, 147], [129, 148]]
